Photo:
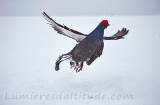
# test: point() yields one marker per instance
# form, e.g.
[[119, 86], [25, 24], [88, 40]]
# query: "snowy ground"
[[127, 73]]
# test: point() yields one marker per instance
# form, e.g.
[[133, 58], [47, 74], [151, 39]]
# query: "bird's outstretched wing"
[[62, 29], [118, 35]]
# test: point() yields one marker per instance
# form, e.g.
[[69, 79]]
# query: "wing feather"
[[119, 35], [62, 29]]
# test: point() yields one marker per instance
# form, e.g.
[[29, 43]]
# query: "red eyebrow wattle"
[[104, 21]]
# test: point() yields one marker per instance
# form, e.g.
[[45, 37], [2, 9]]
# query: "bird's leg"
[[76, 67], [61, 59], [72, 64], [79, 66]]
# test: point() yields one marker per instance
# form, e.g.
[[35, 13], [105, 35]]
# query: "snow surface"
[[30, 47]]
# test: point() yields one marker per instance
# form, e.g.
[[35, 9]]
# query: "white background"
[[30, 47]]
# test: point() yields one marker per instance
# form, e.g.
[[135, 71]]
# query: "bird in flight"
[[89, 46]]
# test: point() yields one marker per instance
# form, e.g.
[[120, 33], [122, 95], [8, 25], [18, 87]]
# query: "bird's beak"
[[108, 24]]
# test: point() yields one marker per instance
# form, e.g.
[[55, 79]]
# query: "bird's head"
[[104, 23]]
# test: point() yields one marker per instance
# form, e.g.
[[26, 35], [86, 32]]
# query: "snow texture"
[[130, 66]]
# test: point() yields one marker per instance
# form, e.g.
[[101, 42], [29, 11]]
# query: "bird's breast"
[[85, 49]]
